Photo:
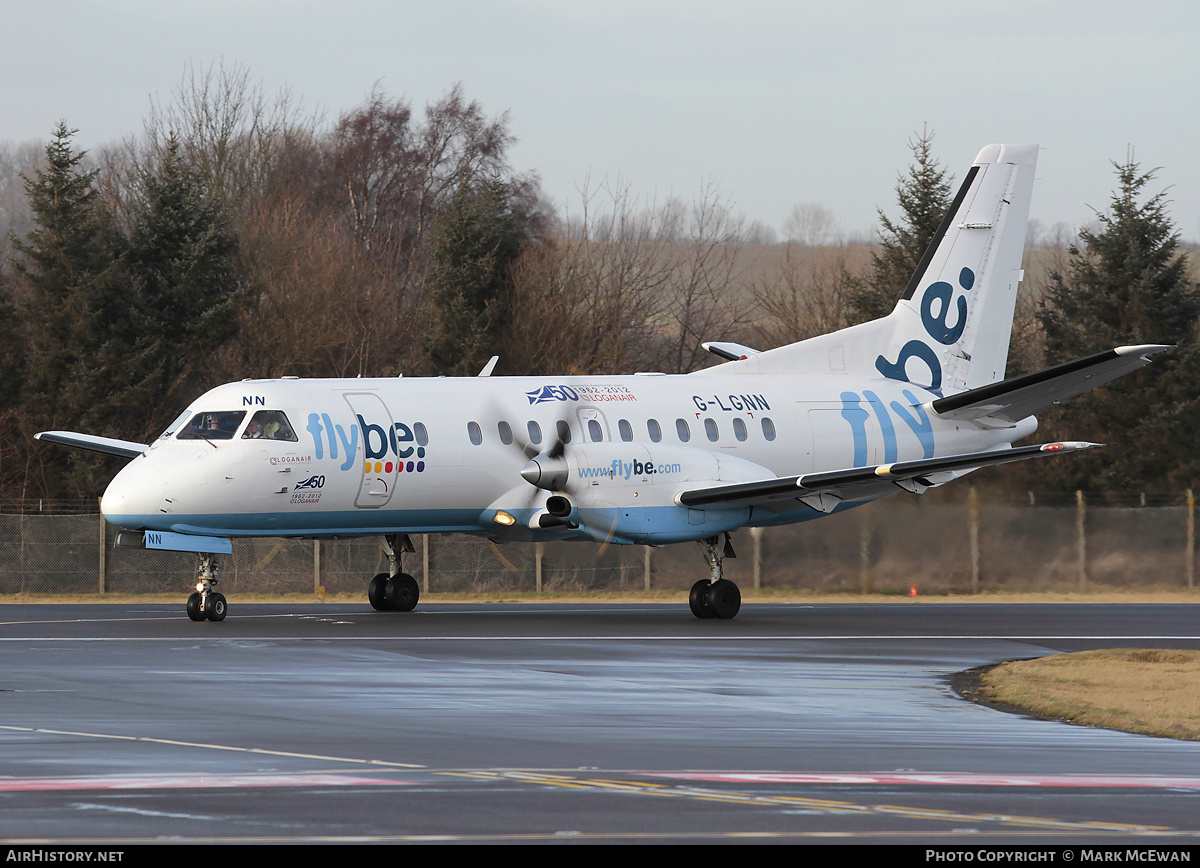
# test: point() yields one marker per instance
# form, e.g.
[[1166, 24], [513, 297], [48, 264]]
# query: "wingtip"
[[1145, 351], [1071, 446]]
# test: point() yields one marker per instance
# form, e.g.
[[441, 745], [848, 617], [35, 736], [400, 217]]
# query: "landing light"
[[504, 518]]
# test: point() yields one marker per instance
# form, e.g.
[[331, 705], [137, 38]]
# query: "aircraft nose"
[[135, 493]]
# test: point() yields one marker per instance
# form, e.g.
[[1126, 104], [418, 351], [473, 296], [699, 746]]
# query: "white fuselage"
[[373, 456]]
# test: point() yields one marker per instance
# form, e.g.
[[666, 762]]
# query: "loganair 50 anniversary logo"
[[398, 448], [594, 392], [545, 394], [939, 328], [308, 490]]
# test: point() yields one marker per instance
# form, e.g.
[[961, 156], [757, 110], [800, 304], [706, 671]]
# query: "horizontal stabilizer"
[[1003, 404], [729, 351], [818, 488], [107, 445]]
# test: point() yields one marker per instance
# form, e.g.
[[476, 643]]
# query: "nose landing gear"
[[205, 603]]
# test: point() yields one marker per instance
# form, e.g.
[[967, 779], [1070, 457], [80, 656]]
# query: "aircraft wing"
[[1003, 404], [823, 491], [107, 445]]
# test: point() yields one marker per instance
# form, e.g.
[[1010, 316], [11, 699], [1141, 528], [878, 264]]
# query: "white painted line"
[[204, 746], [151, 782]]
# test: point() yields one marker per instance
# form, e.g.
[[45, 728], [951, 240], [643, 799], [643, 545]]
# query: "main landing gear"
[[394, 591], [206, 604], [716, 597]]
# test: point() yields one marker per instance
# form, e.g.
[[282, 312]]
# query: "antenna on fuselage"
[[489, 367]]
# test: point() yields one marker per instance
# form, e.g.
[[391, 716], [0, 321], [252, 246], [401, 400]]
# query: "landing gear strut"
[[715, 597], [394, 590], [205, 603]]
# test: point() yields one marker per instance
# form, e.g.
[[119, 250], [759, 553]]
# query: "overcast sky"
[[775, 102]]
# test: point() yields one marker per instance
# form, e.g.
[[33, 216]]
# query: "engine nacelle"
[[625, 492]]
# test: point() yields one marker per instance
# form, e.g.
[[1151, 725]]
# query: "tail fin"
[[950, 330]]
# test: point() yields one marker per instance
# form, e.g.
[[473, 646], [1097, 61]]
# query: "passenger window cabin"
[[206, 423]]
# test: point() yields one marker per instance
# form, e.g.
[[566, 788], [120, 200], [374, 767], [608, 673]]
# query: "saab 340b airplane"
[[906, 402]]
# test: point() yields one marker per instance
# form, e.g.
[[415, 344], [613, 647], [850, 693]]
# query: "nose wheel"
[[206, 604]]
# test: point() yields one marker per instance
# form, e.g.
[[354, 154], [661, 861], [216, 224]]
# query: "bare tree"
[[391, 175], [811, 224], [243, 141], [600, 282], [703, 301], [807, 293], [629, 286], [760, 233]]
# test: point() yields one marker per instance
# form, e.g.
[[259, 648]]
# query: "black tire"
[[403, 593], [217, 607], [377, 593], [698, 599], [724, 599], [193, 607]]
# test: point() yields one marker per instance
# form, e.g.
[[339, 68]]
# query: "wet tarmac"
[[569, 723]]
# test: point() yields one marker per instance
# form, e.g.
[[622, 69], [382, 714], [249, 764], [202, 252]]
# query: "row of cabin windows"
[[595, 432]]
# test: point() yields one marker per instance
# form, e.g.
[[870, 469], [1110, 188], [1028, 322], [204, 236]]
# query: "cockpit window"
[[219, 425], [269, 425], [174, 426]]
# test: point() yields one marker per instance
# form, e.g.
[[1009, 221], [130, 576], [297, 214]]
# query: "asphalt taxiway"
[[568, 722]]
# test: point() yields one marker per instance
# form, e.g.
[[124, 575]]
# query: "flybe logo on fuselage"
[[379, 443], [938, 327]]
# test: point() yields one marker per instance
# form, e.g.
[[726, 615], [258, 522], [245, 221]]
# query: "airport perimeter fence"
[[895, 546]]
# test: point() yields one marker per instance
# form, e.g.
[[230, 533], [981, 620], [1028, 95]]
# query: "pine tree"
[[476, 242], [1128, 284], [186, 288], [924, 195], [73, 310]]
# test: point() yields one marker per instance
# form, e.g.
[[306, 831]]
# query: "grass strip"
[[1143, 690]]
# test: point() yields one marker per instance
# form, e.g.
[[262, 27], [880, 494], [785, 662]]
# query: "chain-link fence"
[[887, 547]]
